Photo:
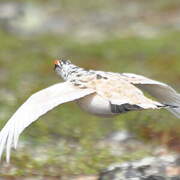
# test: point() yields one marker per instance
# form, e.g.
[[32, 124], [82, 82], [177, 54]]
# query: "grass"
[[67, 134], [65, 159]]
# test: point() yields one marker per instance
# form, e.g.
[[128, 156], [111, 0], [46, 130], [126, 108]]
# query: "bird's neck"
[[70, 72]]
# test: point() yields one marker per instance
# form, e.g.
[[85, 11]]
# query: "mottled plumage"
[[100, 93]]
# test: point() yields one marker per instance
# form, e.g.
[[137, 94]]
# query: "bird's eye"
[[62, 61]]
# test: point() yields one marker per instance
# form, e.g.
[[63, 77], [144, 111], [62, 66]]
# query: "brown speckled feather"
[[117, 90]]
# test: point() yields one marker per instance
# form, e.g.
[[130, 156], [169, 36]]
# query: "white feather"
[[163, 92], [37, 105]]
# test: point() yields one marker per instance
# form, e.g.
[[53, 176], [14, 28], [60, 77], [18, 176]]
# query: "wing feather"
[[35, 106], [119, 91], [163, 92]]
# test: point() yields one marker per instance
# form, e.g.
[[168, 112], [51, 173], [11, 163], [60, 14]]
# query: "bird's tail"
[[175, 111], [165, 95], [174, 101]]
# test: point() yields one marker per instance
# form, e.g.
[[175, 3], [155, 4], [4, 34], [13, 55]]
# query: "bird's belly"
[[96, 105]]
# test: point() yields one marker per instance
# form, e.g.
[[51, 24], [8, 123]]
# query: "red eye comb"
[[57, 62]]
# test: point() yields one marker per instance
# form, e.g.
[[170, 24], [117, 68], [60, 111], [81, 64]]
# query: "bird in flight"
[[100, 93]]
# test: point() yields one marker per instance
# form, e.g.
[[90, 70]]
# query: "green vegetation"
[[67, 137]]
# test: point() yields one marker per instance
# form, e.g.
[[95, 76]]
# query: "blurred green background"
[[135, 36]]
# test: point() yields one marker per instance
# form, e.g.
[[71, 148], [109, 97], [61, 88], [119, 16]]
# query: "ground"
[[67, 134]]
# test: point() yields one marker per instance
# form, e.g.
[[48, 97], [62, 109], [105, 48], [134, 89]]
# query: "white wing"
[[37, 105], [163, 92]]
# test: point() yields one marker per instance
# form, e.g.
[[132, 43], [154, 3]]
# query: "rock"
[[120, 136], [128, 18], [149, 168], [121, 142], [81, 177], [155, 178]]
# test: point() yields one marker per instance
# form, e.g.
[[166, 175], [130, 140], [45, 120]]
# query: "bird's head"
[[64, 68]]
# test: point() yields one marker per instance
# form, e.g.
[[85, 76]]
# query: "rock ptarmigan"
[[100, 93]]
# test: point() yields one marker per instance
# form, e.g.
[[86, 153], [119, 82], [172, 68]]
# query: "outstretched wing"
[[122, 95], [37, 105], [163, 92]]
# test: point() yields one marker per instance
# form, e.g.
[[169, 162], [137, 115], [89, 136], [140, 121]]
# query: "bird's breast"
[[96, 105]]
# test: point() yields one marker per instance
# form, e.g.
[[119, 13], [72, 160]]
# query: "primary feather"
[[37, 105], [161, 91]]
